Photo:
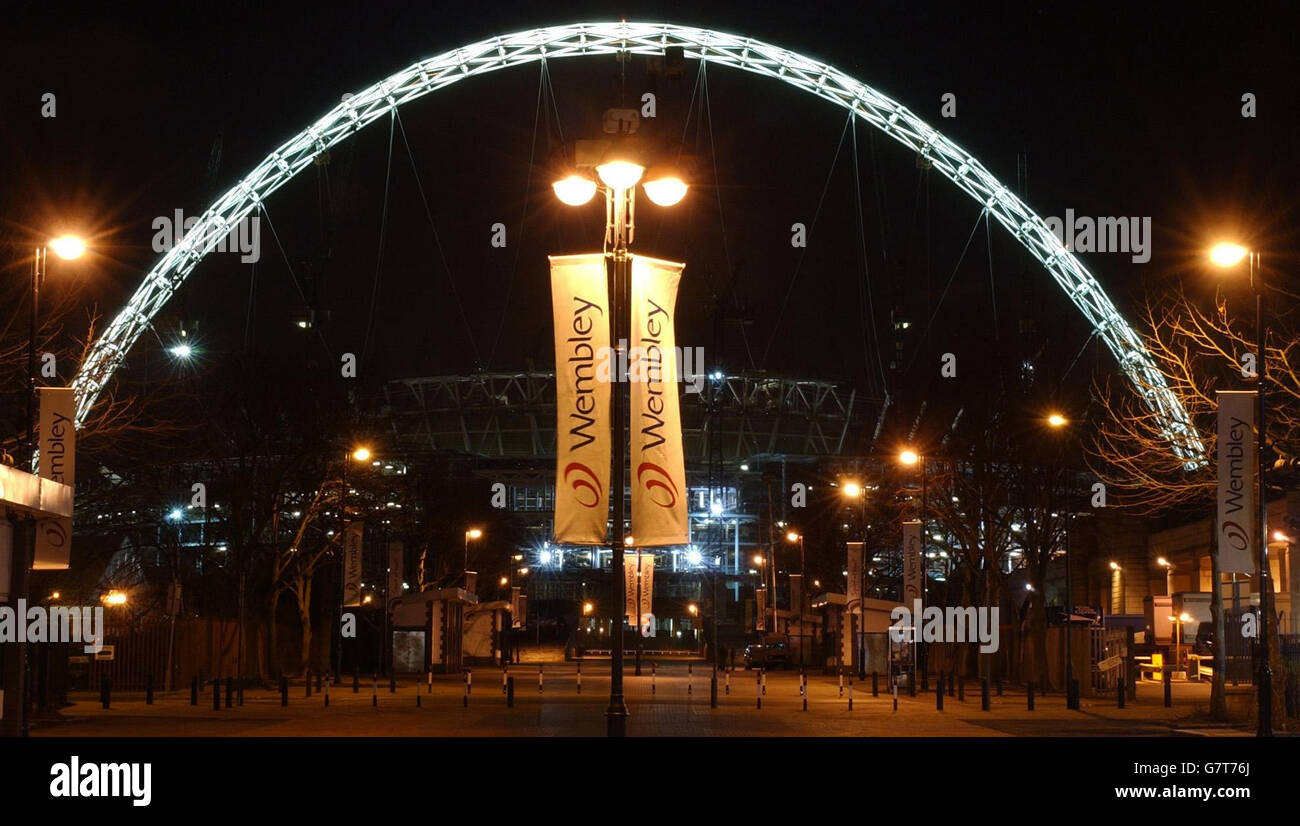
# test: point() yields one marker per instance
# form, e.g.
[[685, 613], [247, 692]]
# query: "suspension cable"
[[865, 285], [383, 233], [798, 264], [437, 240], [523, 215]]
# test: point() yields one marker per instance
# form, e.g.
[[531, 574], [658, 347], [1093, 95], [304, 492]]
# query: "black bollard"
[[938, 693], [875, 684], [1031, 696], [1169, 687], [194, 690], [850, 693], [317, 682], [984, 695], [105, 691], [374, 691], [713, 689], [148, 690], [230, 685], [1120, 691], [284, 690], [510, 692], [327, 693], [216, 694]]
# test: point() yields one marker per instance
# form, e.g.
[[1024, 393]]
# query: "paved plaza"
[[671, 703]]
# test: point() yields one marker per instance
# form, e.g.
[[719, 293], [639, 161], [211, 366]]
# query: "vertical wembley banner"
[[658, 468], [58, 463], [352, 564], [629, 587], [396, 572], [854, 567], [580, 306], [647, 585], [1238, 507], [913, 563], [760, 608]]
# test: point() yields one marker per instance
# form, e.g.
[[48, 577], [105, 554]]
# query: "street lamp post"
[[912, 457], [471, 533], [1229, 255], [794, 536], [1058, 422], [618, 180], [854, 492], [1169, 575], [67, 247]]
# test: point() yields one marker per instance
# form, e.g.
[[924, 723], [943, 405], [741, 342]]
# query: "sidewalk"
[[671, 703]]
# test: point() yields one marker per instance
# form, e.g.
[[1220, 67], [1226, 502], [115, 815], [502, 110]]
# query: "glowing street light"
[[68, 247], [1169, 574], [574, 190], [852, 490], [619, 174], [361, 454], [1057, 420], [665, 187], [909, 457], [1227, 254], [115, 598]]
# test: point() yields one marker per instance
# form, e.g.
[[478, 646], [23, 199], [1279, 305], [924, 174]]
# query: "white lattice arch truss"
[[579, 39]]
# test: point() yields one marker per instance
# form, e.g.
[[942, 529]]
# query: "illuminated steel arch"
[[813, 76]]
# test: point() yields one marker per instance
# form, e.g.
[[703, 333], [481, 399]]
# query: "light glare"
[[68, 246], [1227, 255], [620, 174], [574, 190]]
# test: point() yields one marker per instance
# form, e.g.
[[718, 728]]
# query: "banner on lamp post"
[[658, 468], [854, 567], [629, 587], [913, 563], [580, 308], [1238, 508], [760, 608], [58, 463], [647, 584], [396, 572], [352, 534]]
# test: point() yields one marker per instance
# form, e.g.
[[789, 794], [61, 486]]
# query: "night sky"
[[1118, 111]]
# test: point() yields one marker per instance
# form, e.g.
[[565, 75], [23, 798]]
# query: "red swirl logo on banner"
[[659, 480], [55, 534], [1235, 535], [586, 479]]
